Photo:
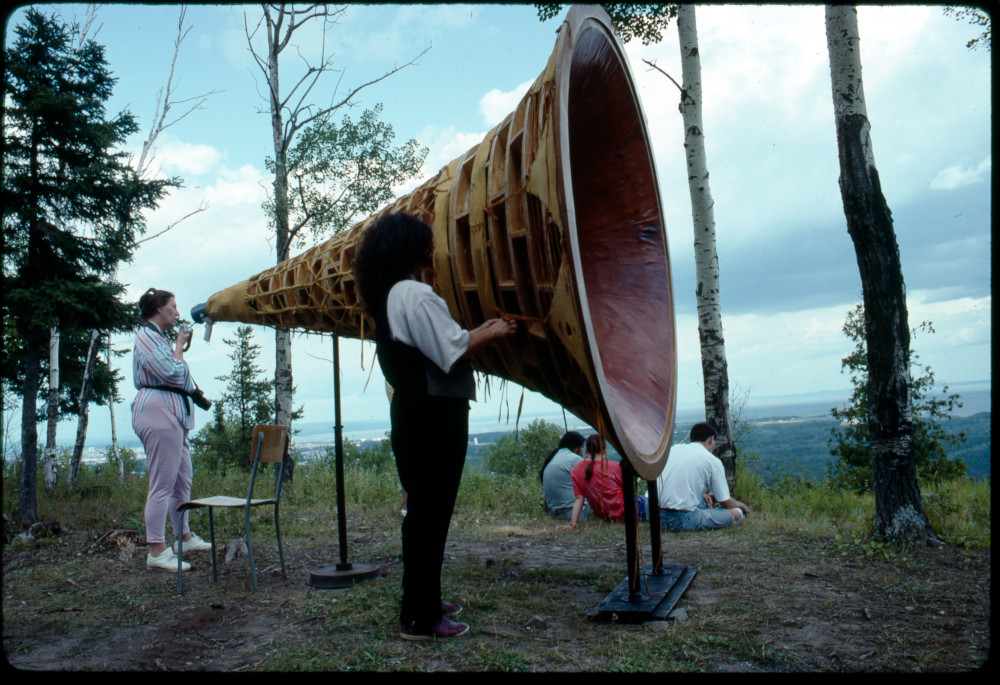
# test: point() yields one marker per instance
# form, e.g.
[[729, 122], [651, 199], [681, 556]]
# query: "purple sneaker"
[[444, 628], [450, 608]]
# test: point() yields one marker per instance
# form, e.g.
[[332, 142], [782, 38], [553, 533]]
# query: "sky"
[[788, 271]]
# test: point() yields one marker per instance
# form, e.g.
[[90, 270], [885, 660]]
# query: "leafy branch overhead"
[[645, 21], [340, 173]]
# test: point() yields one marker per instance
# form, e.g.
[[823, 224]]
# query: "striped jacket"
[[153, 363]]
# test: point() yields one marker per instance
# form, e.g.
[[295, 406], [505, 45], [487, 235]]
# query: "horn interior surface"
[[622, 249]]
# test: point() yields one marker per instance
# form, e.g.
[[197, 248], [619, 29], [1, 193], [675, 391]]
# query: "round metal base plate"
[[342, 575]]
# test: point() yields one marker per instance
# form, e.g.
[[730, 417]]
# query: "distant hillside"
[[800, 445]]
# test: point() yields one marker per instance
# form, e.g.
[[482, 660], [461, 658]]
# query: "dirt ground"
[[805, 605]]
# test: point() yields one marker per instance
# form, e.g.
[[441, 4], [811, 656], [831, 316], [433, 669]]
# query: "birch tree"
[[714, 368], [899, 514], [290, 110], [647, 22], [50, 473]]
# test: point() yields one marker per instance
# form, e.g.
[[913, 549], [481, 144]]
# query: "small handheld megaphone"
[[198, 316]]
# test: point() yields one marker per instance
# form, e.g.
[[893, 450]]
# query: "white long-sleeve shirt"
[[419, 317]]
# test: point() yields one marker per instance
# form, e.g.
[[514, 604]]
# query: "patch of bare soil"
[[70, 604]]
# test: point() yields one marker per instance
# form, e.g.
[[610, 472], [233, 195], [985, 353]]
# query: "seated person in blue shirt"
[[555, 477]]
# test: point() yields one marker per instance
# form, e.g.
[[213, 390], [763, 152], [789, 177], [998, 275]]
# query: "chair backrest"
[[275, 443]]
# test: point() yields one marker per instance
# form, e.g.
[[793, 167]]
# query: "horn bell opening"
[[619, 245]]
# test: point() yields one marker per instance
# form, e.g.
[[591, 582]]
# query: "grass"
[[805, 554]]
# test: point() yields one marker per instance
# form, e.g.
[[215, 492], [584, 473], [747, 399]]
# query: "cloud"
[[958, 176], [444, 145], [173, 155], [497, 104]]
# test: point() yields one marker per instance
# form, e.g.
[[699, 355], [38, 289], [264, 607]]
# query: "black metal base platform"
[[658, 596], [342, 575]]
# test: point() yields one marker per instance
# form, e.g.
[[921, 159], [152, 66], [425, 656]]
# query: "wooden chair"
[[270, 446]]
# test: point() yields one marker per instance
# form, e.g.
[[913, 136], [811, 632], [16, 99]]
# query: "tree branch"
[[201, 208], [653, 65]]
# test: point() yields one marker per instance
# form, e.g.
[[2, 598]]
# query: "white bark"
[[290, 112], [844, 46], [83, 402], [116, 453], [715, 373], [50, 474]]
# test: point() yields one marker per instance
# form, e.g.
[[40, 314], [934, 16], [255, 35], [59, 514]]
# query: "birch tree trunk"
[[715, 373], [899, 514], [50, 474], [119, 462], [84, 404], [282, 336]]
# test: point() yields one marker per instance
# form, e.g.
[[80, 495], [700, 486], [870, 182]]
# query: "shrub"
[[521, 453]]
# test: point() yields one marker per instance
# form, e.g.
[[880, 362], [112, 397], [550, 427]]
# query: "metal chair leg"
[[281, 552], [211, 534], [180, 564], [253, 565]]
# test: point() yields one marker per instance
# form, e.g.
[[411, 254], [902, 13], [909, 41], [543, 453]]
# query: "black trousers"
[[430, 437]]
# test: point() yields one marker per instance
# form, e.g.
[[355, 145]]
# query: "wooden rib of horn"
[[555, 219]]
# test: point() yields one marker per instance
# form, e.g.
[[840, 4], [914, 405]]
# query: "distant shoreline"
[[975, 397]]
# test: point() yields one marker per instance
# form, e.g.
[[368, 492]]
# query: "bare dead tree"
[[290, 112], [84, 404]]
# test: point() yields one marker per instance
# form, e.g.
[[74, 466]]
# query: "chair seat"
[[224, 501]]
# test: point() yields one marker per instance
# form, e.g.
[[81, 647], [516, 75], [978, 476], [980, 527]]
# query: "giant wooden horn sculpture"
[[554, 218]]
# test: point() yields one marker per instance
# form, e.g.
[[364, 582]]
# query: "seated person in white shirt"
[[690, 484]]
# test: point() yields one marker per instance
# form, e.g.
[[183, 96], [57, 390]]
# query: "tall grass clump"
[[959, 511], [786, 501], [499, 496]]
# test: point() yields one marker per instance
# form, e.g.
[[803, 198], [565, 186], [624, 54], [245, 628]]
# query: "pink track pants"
[[168, 463]]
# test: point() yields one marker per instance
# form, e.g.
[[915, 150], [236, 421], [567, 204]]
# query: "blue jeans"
[[701, 518], [642, 507], [566, 513]]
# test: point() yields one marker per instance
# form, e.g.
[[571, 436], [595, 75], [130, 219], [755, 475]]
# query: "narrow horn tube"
[[555, 219]]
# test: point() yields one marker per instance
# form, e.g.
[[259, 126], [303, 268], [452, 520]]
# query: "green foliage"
[[850, 442], [959, 510], [375, 457], [340, 173], [522, 452], [127, 455], [72, 206], [975, 16], [225, 442], [645, 21]]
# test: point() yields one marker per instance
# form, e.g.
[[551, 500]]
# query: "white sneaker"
[[195, 544], [166, 561]]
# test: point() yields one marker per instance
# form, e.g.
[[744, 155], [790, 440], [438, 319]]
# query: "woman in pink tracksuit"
[[162, 415]]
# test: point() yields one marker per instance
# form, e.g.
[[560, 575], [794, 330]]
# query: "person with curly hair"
[[425, 356]]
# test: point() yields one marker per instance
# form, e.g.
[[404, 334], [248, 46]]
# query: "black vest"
[[409, 372]]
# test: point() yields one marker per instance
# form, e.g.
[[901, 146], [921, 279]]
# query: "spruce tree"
[[72, 210], [850, 442]]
